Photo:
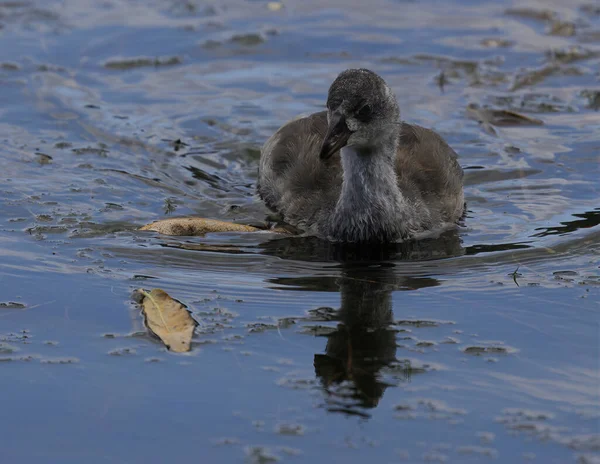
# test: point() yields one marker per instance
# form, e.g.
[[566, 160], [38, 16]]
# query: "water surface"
[[483, 344]]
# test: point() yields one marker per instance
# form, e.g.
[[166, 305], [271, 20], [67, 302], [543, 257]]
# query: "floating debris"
[[142, 62], [122, 352], [498, 117], [492, 349], [530, 77], [43, 158], [289, 429], [9, 66], [571, 54], [478, 450], [260, 455], [12, 305], [90, 151], [421, 322], [530, 13], [562, 28], [7, 349], [532, 103], [248, 40], [593, 98], [497, 43], [258, 327], [274, 6], [425, 344], [62, 145], [59, 361], [168, 319]]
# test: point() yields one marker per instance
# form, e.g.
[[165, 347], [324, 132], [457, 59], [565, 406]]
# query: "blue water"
[[482, 345]]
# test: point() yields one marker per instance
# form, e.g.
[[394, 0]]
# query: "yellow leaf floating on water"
[[274, 6], [168, 319], [193, 226]]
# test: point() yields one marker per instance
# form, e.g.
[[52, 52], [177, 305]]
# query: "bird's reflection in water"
[[360, 346], [365, 339]]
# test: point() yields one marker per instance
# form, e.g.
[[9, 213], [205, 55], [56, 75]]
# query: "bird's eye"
[[364, 113]]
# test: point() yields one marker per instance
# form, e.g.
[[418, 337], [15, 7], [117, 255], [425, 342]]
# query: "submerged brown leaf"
[[168, 319], [531, 77], [193, 226], [501, 117]]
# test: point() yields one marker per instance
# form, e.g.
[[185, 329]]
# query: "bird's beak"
[[337, 136]]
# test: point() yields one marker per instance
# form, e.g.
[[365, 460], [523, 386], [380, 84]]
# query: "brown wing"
[[427, 166], [292, 179]]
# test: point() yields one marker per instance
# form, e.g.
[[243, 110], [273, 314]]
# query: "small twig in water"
[[516, 274]]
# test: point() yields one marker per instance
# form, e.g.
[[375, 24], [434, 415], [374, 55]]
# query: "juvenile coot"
[[357, 173]]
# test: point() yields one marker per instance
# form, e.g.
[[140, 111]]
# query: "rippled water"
[[483, 344]]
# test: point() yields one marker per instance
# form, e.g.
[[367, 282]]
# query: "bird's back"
[[428, 168]]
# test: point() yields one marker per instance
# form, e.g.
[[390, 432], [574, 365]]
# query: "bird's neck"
[[370, 200], [369, 175]]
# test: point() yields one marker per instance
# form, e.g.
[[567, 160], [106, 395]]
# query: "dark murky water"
[[480, 345]]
